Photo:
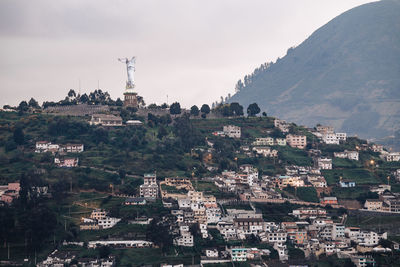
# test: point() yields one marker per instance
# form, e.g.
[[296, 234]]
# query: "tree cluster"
[[229, 110]]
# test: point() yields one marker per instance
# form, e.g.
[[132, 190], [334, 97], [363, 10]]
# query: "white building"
[[394, 156], [232, 131], [369, 238], [73, 148], [341, 136], [238, 254], [325, 163], [42, 146], [213, 215], [317, 180], [184, 240], [227, 229], [338, 231], [280, 141], [264, 141], [105, 120], [107, 222], [120, 243], [330, 139], [282, 125], [149, 188], [353, 155], [276, 237], [212, 253], [266, 151]]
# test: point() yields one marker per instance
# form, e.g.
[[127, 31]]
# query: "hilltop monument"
[[130, 96]]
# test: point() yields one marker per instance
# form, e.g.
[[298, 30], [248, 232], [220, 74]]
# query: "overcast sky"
[[192, 51]]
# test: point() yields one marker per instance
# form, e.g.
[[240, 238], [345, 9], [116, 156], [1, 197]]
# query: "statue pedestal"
[[130, 99]]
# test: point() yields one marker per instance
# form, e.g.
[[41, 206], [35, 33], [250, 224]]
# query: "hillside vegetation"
[[346, 74]]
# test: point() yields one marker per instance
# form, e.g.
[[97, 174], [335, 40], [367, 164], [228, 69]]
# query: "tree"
[[104, 251], [264, 114], [33, 103], [119, 102], [23, 107], [253, 109], [162, 132], [19, 136], [205, 109], [84, 98], [71, 93], [237, 109], [194, 110], [175, 108], [239, 86], [122, 174]]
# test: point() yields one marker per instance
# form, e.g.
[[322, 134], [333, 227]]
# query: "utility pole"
[[8, 250]]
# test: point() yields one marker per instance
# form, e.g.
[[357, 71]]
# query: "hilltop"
[[346, 74]]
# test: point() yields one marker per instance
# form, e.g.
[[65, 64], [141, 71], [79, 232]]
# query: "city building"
[[238, 253], [66, 162], [324, 129], [149, 188], [341, 136], [285, 180], [353, 155], [325, 163], [373, 204], [393, 156], [232, 131], [296, 141], [282, 125], [346, 184], [330, 139], [105, 120], [329, 201]]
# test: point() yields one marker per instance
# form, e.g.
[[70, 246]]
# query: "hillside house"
[[263, 141], [282, 125], [393, 156], [317, 180], [66, 162], [324, 163], [135, 201], [296, 141], [353, 155], [149, 188], [330, 139], [329, 201], [377, 148], [373, 204], [73, 148], [324, 129], [347, 184], [232, 131], [341, 136], [42, 146], [106, 120], [294, 181], [380, 189], [266, 151]]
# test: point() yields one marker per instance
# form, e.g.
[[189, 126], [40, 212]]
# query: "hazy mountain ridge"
[[346, 74]]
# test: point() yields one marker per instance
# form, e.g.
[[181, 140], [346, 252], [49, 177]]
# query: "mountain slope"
[[346, 74]]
